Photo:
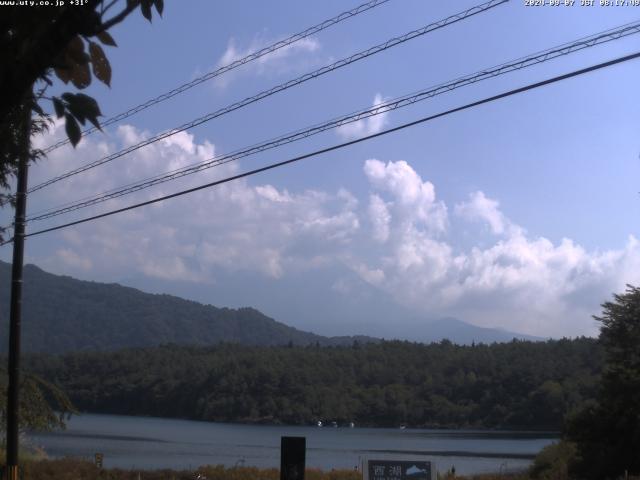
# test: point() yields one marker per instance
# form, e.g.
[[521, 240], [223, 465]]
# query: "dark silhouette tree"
[[38, 42], [607, 432]]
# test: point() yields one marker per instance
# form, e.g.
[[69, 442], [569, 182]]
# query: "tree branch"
[[131, 6], [105, 9]]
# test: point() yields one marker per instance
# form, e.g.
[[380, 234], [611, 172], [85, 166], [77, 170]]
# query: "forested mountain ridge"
[[62, 314], [524, 385]]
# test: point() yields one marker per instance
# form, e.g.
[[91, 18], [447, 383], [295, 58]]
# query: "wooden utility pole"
[[13, 392]]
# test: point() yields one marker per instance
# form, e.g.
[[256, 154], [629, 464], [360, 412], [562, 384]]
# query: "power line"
[[523, 62], [284, 86], [509, 93], [230, 66]]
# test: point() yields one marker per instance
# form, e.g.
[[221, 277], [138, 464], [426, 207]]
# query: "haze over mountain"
[[65, 314], [317, 303]]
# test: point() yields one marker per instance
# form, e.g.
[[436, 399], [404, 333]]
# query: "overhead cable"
[[230, 66], [279, 88], [384, 107], [493, 98]]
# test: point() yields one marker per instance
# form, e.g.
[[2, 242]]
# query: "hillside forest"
[[525, 385]]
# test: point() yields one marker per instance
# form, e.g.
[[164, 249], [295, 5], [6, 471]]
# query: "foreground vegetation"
[[525, 385], [75, 469], [550, 465], [78, 469]]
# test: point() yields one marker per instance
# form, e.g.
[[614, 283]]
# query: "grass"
[[77, 469], [550, 467]]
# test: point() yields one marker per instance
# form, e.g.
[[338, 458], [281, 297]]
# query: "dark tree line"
[[607, 429], [511, 385]]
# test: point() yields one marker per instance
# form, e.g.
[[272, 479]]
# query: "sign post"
[[292, 458], [389, 469]]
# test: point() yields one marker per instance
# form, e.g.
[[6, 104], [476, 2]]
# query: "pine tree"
[[607, 432]]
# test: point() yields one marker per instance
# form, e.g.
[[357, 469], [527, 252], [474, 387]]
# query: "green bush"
[[552, 463]]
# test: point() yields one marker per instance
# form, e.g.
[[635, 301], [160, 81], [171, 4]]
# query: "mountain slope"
[[63, 314], [465, 334]]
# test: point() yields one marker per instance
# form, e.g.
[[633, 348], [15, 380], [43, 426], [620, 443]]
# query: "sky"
[[521, 214]]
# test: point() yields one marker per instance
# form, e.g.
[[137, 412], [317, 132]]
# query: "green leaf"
[[95, 122], [83, 107], [72, 129], [101, 66], [87, 103], [58, 107], [106, 39], [63, 74], [37, 108], [145, 8], [75, 51], [81, 75], [79, 116], [75, 108], [159, 6]]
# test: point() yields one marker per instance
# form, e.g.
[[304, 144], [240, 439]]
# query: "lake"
[[151, 443]]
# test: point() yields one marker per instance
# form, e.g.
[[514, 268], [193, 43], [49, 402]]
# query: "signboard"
[[398, 470]]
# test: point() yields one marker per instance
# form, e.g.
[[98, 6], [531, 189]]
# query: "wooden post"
[[292, 458], [15, 314]]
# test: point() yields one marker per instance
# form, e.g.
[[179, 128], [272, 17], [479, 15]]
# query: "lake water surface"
[[150, 443]]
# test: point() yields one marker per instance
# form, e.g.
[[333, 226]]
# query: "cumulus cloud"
[[479, 207], [398, 240], [366, 126], [237, 226], [413, 200], [520, 282], [380, 218]]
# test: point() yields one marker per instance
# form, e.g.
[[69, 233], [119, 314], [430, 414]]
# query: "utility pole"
[[13, 393]]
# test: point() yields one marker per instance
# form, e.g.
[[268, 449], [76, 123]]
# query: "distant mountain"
[[62, 314], [311, 302], [465, 333]]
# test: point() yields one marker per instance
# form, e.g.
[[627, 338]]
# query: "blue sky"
[[521, 214]]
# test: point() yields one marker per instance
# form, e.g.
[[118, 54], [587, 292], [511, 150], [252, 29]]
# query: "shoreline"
[[524, 432]]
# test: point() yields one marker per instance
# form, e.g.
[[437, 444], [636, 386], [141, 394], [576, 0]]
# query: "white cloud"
[[366, 126], [374, 276], [233, 53], [414, 200], [479, 207], [74, 260], [521, 283], [398, 240], [236, 226], [380, 218], [292, 57]]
